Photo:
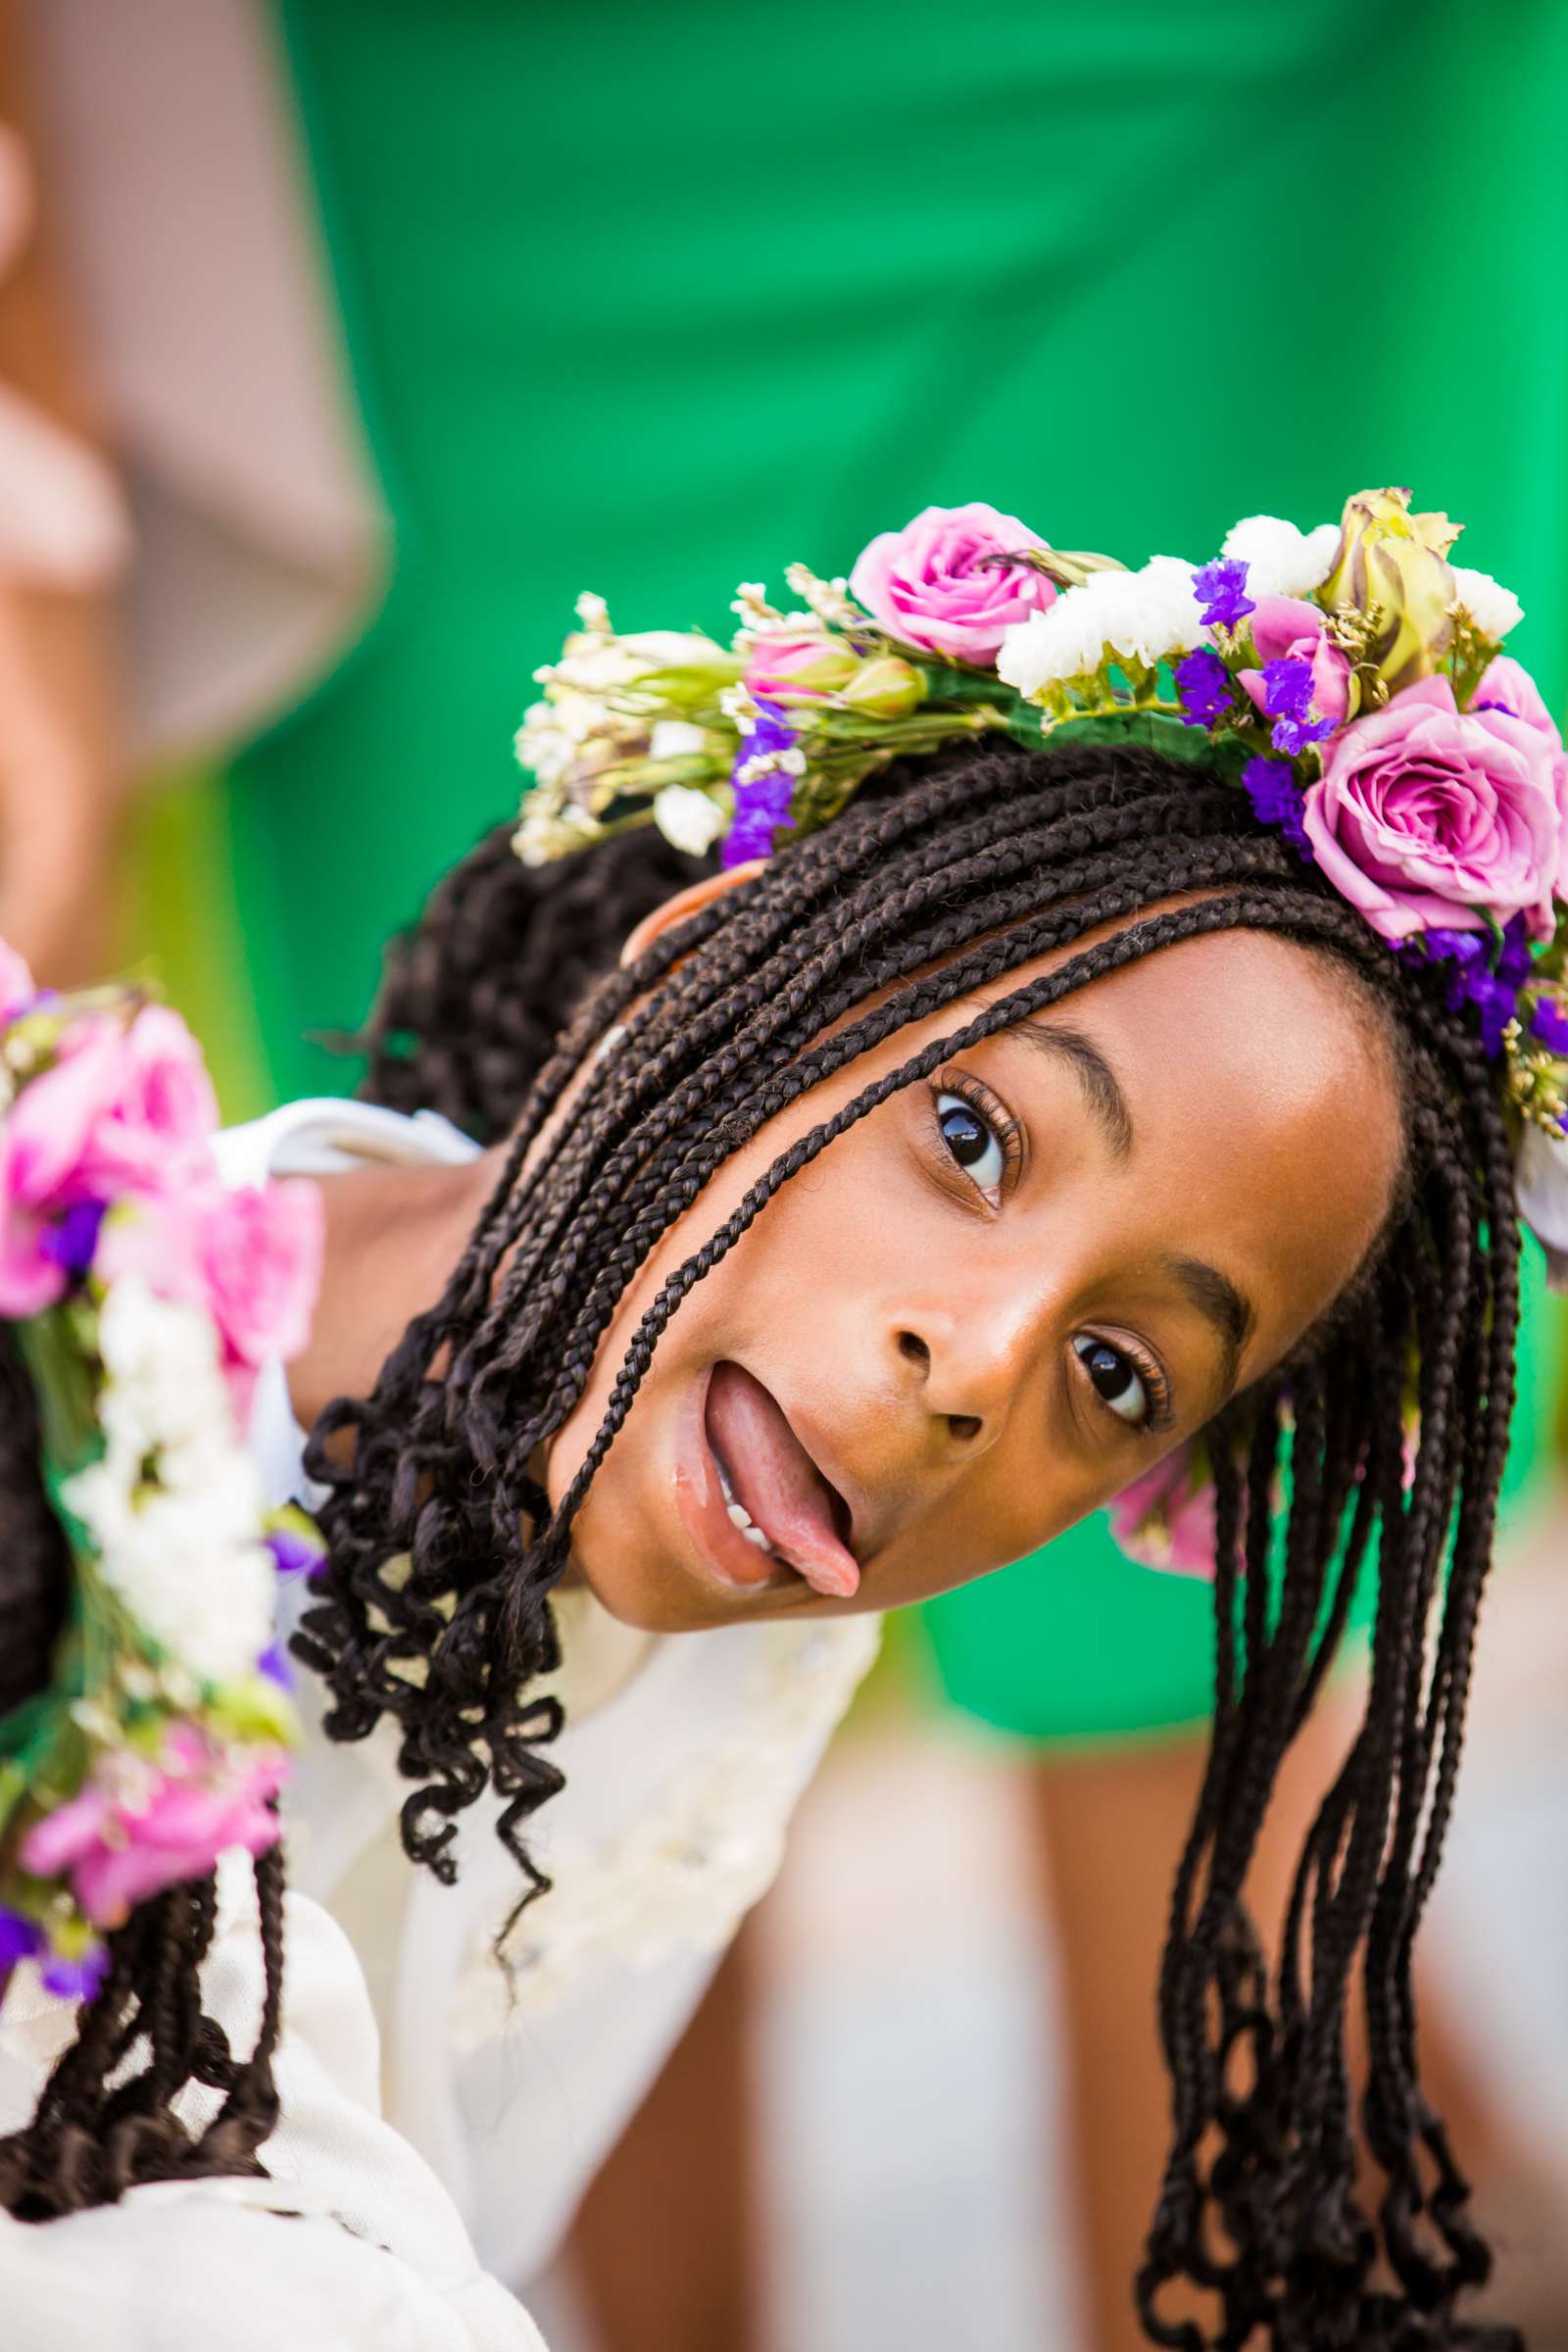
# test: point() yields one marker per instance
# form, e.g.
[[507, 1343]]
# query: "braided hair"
[[434, 1609], [149, 2090]]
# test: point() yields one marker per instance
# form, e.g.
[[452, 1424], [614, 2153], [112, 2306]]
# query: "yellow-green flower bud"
[[887, 687], [1389, 569]]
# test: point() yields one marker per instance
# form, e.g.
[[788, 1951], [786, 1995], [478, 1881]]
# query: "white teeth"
[[737, 1513]]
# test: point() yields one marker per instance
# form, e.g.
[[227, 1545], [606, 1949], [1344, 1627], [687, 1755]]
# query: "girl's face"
[[997, 1299]]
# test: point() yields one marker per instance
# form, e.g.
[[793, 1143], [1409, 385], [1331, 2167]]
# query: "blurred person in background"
[[64, 542], [1079, 251]]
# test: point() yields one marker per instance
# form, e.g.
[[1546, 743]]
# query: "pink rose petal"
[[931, 585]]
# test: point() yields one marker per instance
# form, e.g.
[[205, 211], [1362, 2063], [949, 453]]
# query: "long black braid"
[[149, 2090], [444, 1552]]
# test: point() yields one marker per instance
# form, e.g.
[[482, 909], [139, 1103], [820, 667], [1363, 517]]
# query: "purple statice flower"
[[1550, 1025], [1278, 800], [761, 800], [1496, 1003], [293, 1552], [1513, 956], [1221, 588], [72, 1242], [276, 1666], [1203, 686], [1473, 978], [1452, 946], [20, 1938], [762, 806], [1288, 700], [75, 1980]]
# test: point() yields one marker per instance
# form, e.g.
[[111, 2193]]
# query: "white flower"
[[676, 739], [1068, 640], [1540, 1191], [163, 1384], [829, 600], [570, 735], [606, 665], [750, 603], [182, 1552], [1029, 654], [1143, 617], [1280, 560], [1493, 609], [1161, 610], [688, 819], [546, 832], [207, 1601]]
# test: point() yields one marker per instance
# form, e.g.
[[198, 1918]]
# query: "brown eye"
[[1115, 1379], [972, 1142]]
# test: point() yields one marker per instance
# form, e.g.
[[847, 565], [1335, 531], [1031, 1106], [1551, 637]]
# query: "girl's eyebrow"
[[1102, 1088], [1217, 1298]]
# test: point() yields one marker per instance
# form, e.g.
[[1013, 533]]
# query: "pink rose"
[[262, 1257], [155, 1134], [119, 1847], [43, 1140], [122, 1110], [1289, 628], [930, 585], [156, 1240], [794, 666], [797, 663], [1507, 685], [47, 1129], [1428, 817], [1165, 1519], [251, 1259], [29, 1281]]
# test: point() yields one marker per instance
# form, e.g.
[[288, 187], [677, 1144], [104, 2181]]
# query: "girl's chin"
[[682, 1599]]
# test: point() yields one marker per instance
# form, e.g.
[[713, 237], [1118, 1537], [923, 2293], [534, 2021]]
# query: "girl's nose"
[[964, 1427], [966, 1367]]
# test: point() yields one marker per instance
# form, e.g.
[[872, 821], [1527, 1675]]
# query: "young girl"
[[1132, 1071]]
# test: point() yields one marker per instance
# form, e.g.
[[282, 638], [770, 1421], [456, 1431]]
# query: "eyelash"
[[1008, 1133], [999, 1122], [1156, 1385]]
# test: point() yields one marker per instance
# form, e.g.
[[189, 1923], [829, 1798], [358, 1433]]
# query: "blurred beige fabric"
[[251, 541]]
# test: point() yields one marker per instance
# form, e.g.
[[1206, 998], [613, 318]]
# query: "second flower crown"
[[1350, 680]]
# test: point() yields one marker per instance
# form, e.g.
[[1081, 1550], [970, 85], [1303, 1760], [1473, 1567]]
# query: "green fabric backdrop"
[[652, 300]]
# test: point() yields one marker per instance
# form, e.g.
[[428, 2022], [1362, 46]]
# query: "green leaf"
[[1157, 731], [946, 683]]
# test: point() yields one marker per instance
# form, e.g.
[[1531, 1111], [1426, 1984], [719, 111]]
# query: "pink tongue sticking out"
[[776, 1480]]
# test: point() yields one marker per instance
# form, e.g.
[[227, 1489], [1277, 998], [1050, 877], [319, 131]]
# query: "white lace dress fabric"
[[350, 2245], [684, 1756]]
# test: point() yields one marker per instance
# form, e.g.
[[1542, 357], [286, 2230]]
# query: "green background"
[[654, 300]]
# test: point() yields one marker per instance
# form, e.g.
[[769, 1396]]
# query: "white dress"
[[350, 2244], [684, 1756]]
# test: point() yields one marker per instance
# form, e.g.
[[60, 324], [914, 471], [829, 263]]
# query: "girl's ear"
[[690, 901]]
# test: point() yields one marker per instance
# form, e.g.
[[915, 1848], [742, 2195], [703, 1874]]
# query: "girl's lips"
[[729, 1559], [772, 1491], [770, 1480]]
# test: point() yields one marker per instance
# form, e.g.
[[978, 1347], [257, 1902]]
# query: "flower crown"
[[143, 1297], [1350, 680]]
